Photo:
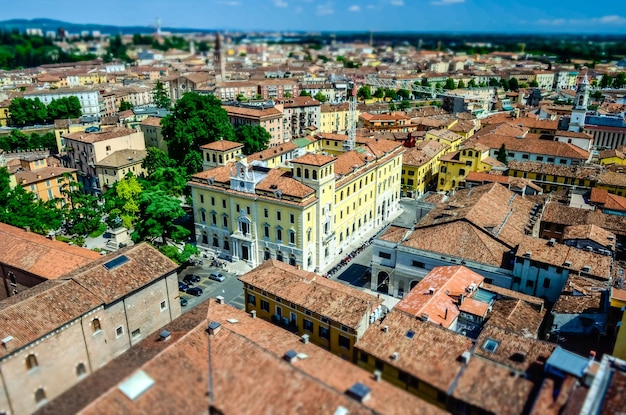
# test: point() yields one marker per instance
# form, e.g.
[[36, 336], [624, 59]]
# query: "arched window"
[[226, 244], [299, 172], [95, 325], [31, 362], [266, 255], [292, 237], [314, 174], [40, 396], [81, 370], [213, 218], [225, 221], [306, 173], [279, 256], [292, 260]]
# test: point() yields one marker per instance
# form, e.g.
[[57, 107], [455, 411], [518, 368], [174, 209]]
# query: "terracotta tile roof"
[[492, 388], [567, 215], [272, 152], [252, 112], [580, 295], [152, 121], [551, 399], [590, 232], [614, 401], [45, 173], [607, 200], [576, 172], [423, 152], [383, 117], [559, 255], [221, 145], [313, 159], [123, 158], [144, 265], [334, 107], [107, 134], [33, 313], [463, 126], [612, 178], [432, 355], [39, 255], [328, 298], [516, 316], [281, 180], [393, 234], [246, 357], [491, 208], [346, 162], [436, 294], [300, 102], [574, 134], [474, 307], [446, 135], [378, 147], [532, 144], [612, 153], [459, 239]]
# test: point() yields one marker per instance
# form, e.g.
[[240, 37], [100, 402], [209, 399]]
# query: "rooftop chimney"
[[378, 375], [164, 335], [214, 328], [305, 338], [385, 329], [253, 313], [291, 356], [220, 299]]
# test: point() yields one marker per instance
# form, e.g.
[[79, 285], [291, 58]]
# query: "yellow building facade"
[[454, 167], [299, 207], [46, 182], [420, 166], [334, 118]]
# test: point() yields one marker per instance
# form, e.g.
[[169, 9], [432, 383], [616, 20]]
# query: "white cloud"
[[354, 8], [229, 2], [371, 6], [280, 3], [446, 2], [593, 21], [324, 9], [396, 2]]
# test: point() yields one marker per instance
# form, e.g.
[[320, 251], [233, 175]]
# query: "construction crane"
[[349, 144]]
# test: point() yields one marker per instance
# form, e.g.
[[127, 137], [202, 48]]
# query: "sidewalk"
[[388, 300]]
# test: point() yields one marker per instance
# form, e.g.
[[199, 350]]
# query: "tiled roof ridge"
[[50, 245]]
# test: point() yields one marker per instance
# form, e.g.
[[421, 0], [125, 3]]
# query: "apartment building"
[[86, 150], [60, 332], [153, 133], [264, 114], [391, 122], [332, 315], [46, 182], [299, 113], [334, 118], [90, 102], [118, 164], [302, 213], [278, 88], [420, 166], [230, 91], [455, 166]]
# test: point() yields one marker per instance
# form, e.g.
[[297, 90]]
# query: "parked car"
[[195, 278], [182, 287], [197, 291], [216, 276], [188, 279], [183, 301]]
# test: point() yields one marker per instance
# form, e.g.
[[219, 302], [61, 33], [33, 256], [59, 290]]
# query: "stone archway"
[[382, 282]]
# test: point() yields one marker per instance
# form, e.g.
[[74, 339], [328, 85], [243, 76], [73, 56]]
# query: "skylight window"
[[115, 262], [409, 334], [491, 345]]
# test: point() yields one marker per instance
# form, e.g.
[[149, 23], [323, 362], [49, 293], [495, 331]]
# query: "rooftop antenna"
[[158, 26], [348, 145]]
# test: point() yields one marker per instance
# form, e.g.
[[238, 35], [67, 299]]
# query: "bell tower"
[[577, 119]]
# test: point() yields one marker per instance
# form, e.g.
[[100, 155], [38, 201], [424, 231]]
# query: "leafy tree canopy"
[[254, 138], [160, 96], [320, 97], [63, 108], [125, 105], [196, 120]]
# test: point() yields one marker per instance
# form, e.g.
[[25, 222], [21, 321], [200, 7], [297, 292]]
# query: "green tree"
[[173, 253], [19, 208], [534, 84], [606, 81], [494, 82], [156, 159], [320, 97], [379, 93], [83, 212], [364, 92], [404, 104], [391, 94], [502, 155], [620, 80], [25, 111], [288, 94], [449, 84], [425, 82], [392, 106], [196, 120], [63, 108], [254, 138], [173, 180], [504, 84], [160, 96], [513, 84], [461, 84], [125, 105], [404, 93], [304, 93], [471, 84], [157, 218], [128, 190], [596, 95]]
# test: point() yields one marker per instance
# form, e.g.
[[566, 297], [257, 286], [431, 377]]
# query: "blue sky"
[[573, 16]]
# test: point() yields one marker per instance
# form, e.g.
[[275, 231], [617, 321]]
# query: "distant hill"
[[76, 28]]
